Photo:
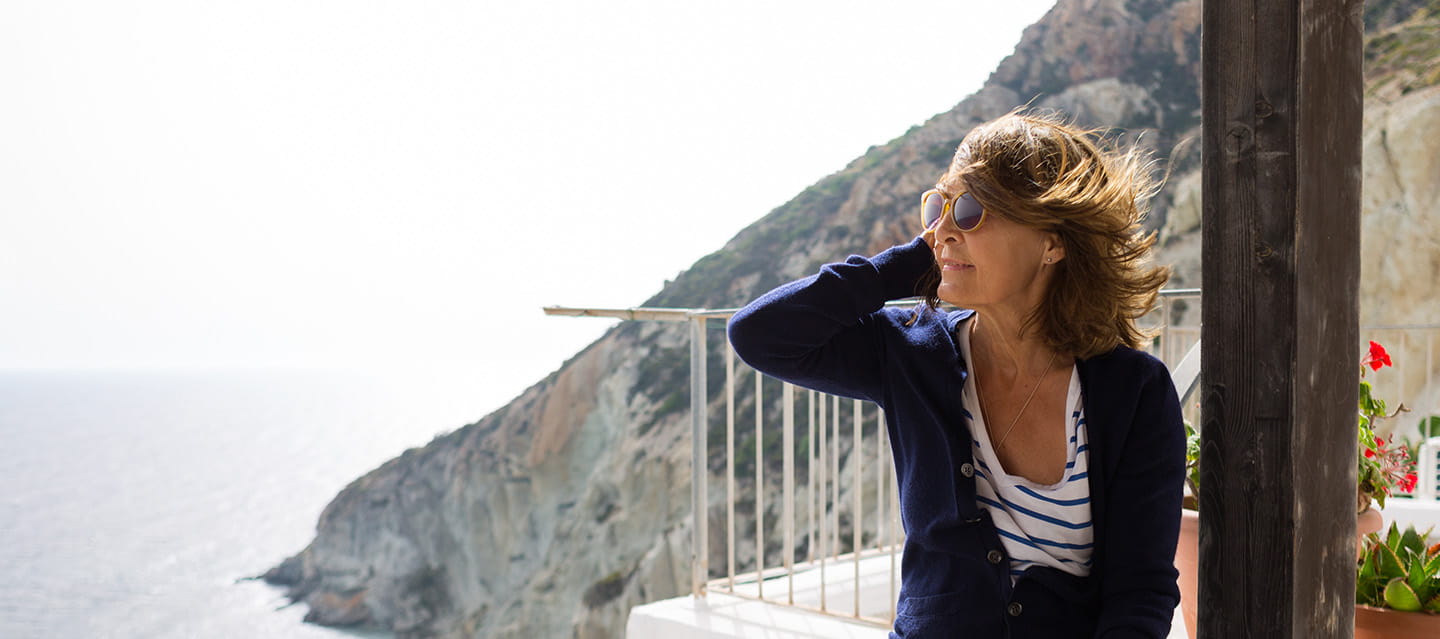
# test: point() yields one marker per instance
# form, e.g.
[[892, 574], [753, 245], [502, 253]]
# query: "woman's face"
[[999, 265]]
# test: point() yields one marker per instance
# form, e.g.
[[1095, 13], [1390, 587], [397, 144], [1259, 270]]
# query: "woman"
[[1040, 457]]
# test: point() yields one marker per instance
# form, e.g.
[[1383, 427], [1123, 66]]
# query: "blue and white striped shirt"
[[1038, 524]]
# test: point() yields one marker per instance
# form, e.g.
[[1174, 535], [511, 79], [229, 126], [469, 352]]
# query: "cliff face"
[[554, 515], [527, 523]]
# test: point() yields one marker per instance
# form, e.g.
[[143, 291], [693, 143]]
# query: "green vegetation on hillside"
[[1404, 56]]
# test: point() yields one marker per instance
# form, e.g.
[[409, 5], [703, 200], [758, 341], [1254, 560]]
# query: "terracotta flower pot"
[[1187, 562], [1383, 623]]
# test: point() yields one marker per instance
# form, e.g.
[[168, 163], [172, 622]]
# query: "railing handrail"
[[671, 314], [667, 314]]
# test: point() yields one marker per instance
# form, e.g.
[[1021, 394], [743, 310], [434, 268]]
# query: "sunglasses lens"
[[932, 206], [968, 213]]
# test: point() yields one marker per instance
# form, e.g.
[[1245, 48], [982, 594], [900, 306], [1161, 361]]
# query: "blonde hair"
[[1043, 172]]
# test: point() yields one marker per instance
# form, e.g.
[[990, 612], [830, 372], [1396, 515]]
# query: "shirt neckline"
[[970, 397]]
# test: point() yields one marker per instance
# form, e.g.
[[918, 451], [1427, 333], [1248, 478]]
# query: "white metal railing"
[[824, 415], [868, 571]]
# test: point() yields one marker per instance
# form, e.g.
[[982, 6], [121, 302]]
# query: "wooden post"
[[1282, 93]]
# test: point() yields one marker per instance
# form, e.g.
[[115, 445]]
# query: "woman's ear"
[[1054, 248]]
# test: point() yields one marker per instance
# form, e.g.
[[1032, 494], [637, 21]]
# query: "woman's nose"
[[946, 231]]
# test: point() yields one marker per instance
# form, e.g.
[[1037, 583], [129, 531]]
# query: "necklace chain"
[[1013, 422]]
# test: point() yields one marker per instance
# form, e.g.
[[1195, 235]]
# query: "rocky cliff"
[[554, 515]]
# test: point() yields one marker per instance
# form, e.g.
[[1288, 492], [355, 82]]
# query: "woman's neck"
[[1000, 344]]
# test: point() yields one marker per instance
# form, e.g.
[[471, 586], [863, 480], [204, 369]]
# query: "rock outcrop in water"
[[554, 515]]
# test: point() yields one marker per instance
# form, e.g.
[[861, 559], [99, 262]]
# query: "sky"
[[401, 186]]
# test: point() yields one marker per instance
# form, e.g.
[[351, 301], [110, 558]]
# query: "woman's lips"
[[953, 265]]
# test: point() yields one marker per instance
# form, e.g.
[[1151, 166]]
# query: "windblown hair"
[[1045, 173]]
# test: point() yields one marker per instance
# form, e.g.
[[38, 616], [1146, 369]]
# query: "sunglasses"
[[964, 210]]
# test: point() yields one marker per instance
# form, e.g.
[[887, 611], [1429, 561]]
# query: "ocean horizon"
[[139, 504]]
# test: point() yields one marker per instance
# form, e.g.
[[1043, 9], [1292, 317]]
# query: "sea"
[[141, 504]]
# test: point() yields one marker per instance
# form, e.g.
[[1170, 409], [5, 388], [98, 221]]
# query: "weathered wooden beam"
[[1282, 93]]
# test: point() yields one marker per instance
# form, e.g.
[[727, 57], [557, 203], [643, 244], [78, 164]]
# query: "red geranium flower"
[[1378, 358]]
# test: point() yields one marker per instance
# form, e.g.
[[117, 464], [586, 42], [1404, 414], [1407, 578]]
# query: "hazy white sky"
[[402, 185]]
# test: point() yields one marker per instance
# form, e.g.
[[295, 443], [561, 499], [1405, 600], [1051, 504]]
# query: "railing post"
[[759, 487], [1429, 363], [822, 538], [894, 515], [699, 456], [835, 475], [810, 531], [857, 453], [787, 441], [730, 464], [880, 466], [1166, 351]]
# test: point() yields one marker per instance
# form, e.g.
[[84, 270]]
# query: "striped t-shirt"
[[1038, 524]]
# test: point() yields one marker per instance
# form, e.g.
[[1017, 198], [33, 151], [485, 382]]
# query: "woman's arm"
[[1138, 589], [819, 332]]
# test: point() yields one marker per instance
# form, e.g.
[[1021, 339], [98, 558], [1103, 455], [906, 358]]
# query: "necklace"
[[1024, 406]]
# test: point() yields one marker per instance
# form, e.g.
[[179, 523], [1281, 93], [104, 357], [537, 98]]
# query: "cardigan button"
[[967, 469], [1015, 609], [995, 556]]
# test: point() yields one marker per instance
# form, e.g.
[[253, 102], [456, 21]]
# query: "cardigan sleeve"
[[1138, 585], [820, 332]]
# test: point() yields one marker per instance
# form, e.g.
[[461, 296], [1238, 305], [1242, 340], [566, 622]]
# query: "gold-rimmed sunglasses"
[[964, 210]]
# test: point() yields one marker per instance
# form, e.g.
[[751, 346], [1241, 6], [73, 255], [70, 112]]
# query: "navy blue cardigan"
[[831, 332]]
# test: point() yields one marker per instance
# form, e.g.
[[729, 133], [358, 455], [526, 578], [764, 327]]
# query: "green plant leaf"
[[1369, 582], [1430, 426], [1411, 540], [1368, 566], [1392, 538], [1432, 566], [1433, 604], [1390, 565], [1368, 590], [1192, 465], [1368, 594], [1415, 573], [1400, 596]]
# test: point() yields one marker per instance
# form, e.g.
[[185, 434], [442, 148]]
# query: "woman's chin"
[[951, 294]]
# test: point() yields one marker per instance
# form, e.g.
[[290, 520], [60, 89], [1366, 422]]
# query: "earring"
[[1049, 260]]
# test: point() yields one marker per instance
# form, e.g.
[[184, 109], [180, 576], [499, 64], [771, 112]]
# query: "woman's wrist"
[[902, 266]]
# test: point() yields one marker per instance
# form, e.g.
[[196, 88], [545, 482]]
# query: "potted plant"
[[1397, 586], [1383, 468]]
